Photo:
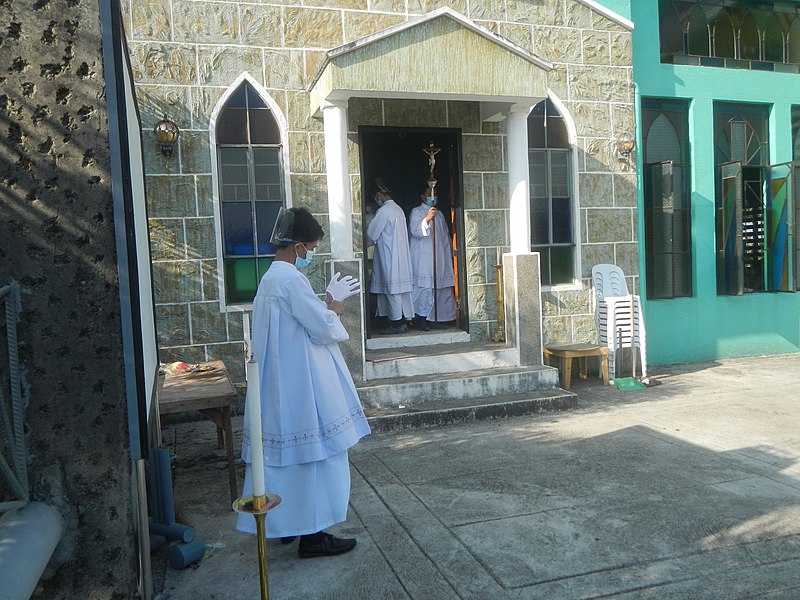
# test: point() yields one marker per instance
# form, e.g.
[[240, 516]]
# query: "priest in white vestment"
[[391, 265], [310, 410], [422, 221]]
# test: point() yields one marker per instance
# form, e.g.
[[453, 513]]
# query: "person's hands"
[[431, 214], [334, 305], [341, 288]]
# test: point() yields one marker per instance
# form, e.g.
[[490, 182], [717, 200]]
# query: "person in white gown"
[[422, 221], [391, 265], [311, 413]]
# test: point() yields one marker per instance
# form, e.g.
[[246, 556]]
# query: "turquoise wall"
[[621, 7], [708, 326]]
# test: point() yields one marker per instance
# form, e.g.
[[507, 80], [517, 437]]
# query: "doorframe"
[[456, 183]]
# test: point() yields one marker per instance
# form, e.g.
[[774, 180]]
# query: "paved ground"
[[688, 489]]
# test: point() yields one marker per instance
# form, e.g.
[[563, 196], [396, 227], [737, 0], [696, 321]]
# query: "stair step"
[[437, 359], [436, 414], [418, 338], [444, 387]]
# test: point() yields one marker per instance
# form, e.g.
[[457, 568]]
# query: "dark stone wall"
[[57, 240]]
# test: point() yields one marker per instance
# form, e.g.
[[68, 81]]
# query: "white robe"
[[391, 266], [310, 411], [422, 266]]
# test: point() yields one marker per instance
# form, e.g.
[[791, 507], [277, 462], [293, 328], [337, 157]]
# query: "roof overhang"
[[442, 54]]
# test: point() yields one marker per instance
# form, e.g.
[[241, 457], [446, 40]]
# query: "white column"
[[518, 179], [340, 202]]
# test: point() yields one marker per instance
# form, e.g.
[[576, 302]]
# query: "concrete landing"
[[687, 490]]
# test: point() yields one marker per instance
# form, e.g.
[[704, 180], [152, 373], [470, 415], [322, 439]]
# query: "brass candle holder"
[[259, 506]]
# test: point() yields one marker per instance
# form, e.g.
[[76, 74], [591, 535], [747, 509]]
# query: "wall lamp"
[[625, 146], [166, 133]]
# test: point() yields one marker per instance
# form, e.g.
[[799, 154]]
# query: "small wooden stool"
[[566, 352]]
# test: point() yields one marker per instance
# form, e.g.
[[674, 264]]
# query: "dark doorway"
[[395, 155]]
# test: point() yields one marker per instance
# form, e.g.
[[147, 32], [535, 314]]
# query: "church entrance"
[[396, 156]]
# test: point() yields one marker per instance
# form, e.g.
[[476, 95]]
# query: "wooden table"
[[209, 391], [565, 353]]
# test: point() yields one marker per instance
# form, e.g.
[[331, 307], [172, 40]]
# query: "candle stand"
[[259, 506]]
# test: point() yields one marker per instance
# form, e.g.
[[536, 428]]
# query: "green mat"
[[628, 383]]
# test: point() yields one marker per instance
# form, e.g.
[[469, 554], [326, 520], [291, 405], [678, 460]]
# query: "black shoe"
[[288, 539], [323, 544], [439, 325], [422, 324]]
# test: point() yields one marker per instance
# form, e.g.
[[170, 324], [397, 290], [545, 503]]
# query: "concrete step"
[[437, 359], [456, 386], [417, 338], [436, 414]]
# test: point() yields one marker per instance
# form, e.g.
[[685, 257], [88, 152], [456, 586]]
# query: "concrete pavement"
[[688, 489]]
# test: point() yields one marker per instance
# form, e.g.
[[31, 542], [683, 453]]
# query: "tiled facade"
[[186, 53]]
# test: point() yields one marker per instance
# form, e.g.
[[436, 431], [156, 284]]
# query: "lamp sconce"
[[166, 133], [625, 146]]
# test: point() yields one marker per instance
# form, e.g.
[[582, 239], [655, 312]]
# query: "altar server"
[[310, 411], [391, 266]]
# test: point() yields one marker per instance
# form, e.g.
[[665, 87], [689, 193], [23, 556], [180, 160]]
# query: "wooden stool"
[[566, 352]]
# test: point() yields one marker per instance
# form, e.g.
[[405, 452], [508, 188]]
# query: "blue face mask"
[[379, 202], [302, 263], [431, 200]]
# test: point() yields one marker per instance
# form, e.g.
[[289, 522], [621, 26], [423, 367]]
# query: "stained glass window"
[[250, 189]]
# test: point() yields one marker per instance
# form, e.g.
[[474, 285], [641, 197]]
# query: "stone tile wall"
[[185, 52]]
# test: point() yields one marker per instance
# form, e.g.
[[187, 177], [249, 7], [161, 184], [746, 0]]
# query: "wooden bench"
[[209, 391], [567, 352]]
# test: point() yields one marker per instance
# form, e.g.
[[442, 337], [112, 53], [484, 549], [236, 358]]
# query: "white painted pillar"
[[340, 202], [518, 179]]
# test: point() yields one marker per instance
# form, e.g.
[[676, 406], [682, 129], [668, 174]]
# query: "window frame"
[[671, 109], [575, 245], [216, 176]]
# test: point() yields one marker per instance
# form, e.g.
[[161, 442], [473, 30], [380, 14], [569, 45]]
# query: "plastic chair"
[[617, 315]]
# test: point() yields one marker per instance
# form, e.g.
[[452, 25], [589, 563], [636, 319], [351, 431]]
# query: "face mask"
[[431, 200], [379, 202], [302, 263]]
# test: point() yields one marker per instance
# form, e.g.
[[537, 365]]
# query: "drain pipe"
[[29, 537]]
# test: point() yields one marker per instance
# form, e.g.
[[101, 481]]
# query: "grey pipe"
[[28, 538]]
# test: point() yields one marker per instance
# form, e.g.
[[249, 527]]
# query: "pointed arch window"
[[551, 191], [667, 198], [773, 40], [724, 37], [698, 38], [251, 189], [749, 39], [762, 36]]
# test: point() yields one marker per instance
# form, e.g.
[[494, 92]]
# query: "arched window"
[[773, 40], [667, 195], [250, 186], [724, 37], [671, 32], [749, 39], [552, 199], [698, 34], [661, 141], [793, 46]]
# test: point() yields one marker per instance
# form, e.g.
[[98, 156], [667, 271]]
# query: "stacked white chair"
[[617, 315]]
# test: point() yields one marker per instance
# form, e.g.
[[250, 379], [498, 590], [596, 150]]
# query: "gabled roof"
[[440, 54]]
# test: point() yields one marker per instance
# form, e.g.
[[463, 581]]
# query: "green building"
[[718, 99]]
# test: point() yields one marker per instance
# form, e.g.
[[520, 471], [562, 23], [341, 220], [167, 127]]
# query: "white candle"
[[253, 402], [248, 352]]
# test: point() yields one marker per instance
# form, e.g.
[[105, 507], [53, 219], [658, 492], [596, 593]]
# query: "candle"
[[246, 327], [253, 402]]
